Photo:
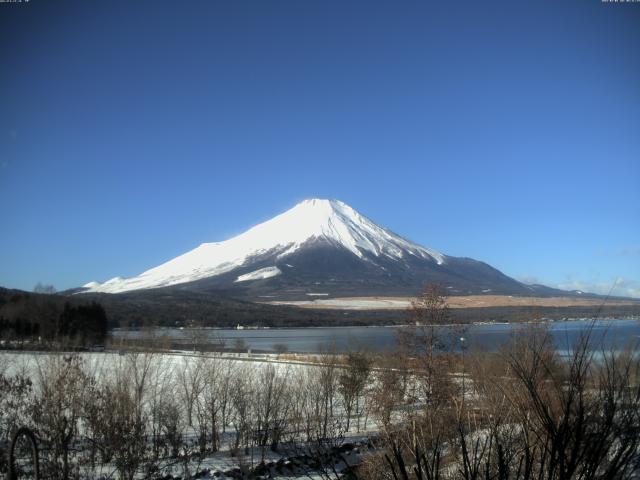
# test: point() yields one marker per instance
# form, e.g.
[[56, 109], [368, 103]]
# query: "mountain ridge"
[[319, 247]]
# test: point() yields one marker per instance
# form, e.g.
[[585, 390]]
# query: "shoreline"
[[398, 325]]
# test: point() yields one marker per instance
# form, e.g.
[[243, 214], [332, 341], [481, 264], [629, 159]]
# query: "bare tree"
[[44, 288], [191, 380], [57, 408], [534, 416], [223, 388], [211, 400], [213, 403], [241, 393], [121, 427], [423, 345], [386, 394], [15, 402], [160, 385], [170, 420], [352, 382], [272, 405], [280, 348], [328, 384]]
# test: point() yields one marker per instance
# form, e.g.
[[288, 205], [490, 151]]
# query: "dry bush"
[[425, 347], [115, 417], [56, 410], [375, 467], [533, 415], [15, 406], [352, 381]]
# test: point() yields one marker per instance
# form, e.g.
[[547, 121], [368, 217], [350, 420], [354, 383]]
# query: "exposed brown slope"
[[470, 301]]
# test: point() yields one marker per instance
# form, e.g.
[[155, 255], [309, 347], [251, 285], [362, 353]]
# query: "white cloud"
[[620, 287]]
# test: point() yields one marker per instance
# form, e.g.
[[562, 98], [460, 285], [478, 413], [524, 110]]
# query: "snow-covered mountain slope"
[[260, 274], [311, 222]]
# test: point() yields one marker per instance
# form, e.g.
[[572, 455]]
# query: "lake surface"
[[604, 333]]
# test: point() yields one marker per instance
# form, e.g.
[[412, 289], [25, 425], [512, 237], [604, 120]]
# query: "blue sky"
[[509, 132]]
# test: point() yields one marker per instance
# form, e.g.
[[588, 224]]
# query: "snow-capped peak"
[[336, 221], [313, 219]]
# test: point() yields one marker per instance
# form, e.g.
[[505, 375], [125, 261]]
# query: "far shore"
[[542, 320], [454, 302]]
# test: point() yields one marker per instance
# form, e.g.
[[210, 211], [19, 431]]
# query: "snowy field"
[[364, 303]]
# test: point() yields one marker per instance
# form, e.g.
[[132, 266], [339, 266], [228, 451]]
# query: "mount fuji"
[[318, 248]]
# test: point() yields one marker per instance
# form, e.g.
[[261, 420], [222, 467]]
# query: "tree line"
[[140, 413], [50, 320]]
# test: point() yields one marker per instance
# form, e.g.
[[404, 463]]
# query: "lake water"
[[605, 334]]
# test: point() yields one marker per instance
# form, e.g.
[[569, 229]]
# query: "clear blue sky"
[[132, 131]]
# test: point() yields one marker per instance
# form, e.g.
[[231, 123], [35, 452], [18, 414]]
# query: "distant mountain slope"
[[177, 307], [319, 247]]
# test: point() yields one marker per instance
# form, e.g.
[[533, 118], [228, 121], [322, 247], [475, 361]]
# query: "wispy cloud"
[[529, 280], [620, 287]]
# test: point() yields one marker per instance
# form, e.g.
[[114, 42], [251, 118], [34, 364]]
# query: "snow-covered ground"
[[372, 303], [291, 460]]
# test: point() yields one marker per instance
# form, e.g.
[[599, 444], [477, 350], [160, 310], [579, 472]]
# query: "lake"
[[605, 334]]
